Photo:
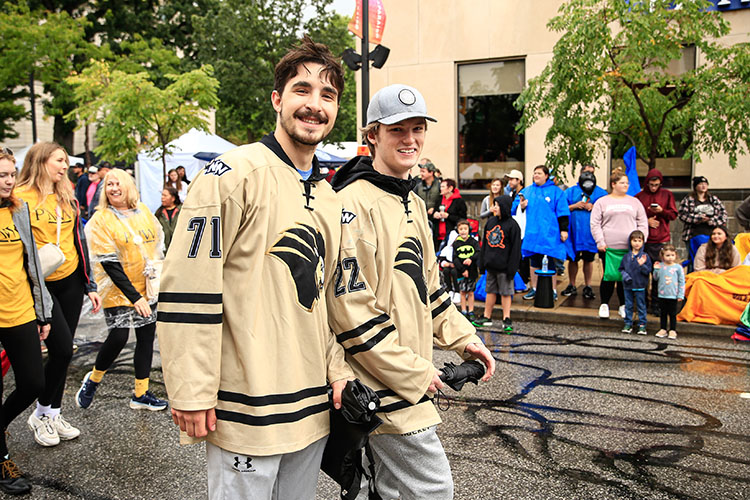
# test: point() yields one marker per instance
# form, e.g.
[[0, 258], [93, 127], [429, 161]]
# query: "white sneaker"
[[44, 431], [64, 430], [621, 311], [604, 311]]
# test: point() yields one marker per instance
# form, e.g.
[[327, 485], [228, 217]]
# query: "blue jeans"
[[639, 296]]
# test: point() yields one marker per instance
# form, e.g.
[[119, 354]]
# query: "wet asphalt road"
[[571, 413]]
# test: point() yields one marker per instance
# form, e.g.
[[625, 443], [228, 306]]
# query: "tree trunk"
[[87, 149]]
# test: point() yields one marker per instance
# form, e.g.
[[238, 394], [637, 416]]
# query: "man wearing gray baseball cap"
[[388, 308]]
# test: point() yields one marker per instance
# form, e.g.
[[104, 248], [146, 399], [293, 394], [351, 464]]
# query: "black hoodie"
[[501, 241], [360, 167]]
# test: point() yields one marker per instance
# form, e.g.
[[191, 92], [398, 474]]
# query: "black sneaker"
[[148, 402], [507, 326], [482, 321], [588, 293], [570, 291], [471, 316], [12, 480]]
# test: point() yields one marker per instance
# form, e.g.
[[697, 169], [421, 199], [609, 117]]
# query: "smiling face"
[[57, 165], [496, 187], [397, 146], [306, 107], [718, 236], [7, 178], [115, 194], [540, 177]]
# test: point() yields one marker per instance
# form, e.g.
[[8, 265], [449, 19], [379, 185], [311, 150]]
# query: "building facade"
[[471, 59]]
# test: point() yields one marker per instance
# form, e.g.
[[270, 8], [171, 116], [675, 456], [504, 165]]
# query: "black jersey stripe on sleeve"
[[271, 399], [436, 294], [190, 298], [399, 405], [189, 318], [442, 307], [370, 343], [364, 327], [277, 418]]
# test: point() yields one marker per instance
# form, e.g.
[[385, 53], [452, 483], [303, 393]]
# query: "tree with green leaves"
[[34, 46], [614, 81], [244, 39], [135, 115]]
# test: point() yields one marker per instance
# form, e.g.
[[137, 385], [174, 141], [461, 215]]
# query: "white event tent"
[[150, 180]]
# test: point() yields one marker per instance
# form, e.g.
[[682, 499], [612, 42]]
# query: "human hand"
[[680, 300], [196, 423], [142, 307], [436, 382], [652, 222], [430, 211], [656, 209], [43, 331], [563, 236], [657, 265], [96, 302], [524, 202], [338, 387], [602, 248], [483, 354], [436, 215], [467, 262], [465, 274], [588, 206], [642, 259]]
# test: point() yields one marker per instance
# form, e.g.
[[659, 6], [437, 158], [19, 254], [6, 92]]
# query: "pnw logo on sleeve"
[[302, 249], [217, 167], [409, 260]]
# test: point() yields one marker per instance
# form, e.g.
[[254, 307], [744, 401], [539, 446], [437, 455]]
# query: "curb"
[[553, 316]]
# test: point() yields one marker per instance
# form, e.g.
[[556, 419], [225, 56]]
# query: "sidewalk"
[[577, 311]]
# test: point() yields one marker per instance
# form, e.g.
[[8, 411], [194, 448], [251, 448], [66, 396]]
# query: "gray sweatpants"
[[411, 466], [276, 477]]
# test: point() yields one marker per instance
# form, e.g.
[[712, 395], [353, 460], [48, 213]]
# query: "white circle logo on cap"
[[407, 97]]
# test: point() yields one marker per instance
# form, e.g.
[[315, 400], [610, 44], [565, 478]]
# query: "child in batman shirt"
[[465, 256]]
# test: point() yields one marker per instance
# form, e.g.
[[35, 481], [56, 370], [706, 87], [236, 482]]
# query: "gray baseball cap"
[[395, 103]]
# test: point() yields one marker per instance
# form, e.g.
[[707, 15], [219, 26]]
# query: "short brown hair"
[[365, 131], [637, 234], [309, 51], [463, 222]]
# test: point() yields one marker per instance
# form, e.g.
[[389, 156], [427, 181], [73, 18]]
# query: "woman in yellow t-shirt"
[[126, 245], [43, 183], [25, 312]]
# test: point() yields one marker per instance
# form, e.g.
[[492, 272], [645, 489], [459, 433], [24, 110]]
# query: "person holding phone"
[[660, 210]]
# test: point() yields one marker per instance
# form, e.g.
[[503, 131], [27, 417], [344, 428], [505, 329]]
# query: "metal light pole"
[[365, 60]]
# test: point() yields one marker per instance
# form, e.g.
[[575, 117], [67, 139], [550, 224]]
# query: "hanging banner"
[[730, 5], [375, 18]]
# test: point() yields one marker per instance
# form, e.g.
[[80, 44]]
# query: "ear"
[[372, 136], [276, 101]]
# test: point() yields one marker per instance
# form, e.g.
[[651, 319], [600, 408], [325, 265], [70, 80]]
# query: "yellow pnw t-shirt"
[[44, 226], [16, 302]]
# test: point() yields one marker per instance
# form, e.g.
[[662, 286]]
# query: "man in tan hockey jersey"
[[246, 348], [387, 306]]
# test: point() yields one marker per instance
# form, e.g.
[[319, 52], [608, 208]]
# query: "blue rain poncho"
[[579, 228], [546, 203]]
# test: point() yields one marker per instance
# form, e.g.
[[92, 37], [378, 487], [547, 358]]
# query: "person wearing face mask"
[[581, 245], [45, 187]]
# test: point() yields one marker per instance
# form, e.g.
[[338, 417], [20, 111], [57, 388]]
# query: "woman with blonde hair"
[[55, 220], [25, 312], [613, 218], [126, 245]]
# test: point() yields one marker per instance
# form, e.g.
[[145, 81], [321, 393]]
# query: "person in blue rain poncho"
[[581, 245], [547, 212]]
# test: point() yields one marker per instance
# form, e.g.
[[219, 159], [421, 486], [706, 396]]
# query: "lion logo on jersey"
[[410, 261], [302, 249]]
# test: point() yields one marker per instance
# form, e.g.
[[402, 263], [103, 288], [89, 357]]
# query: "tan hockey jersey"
[[242, 322], [387, 306]]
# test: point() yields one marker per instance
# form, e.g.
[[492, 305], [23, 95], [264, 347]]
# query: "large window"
[[488, 144]]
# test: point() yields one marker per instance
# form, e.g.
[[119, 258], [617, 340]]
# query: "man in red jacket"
[[660, 210]]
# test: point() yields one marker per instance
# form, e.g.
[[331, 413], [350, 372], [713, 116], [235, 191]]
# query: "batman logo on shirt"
[[464, 252], [302, 249], [410, 261]]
